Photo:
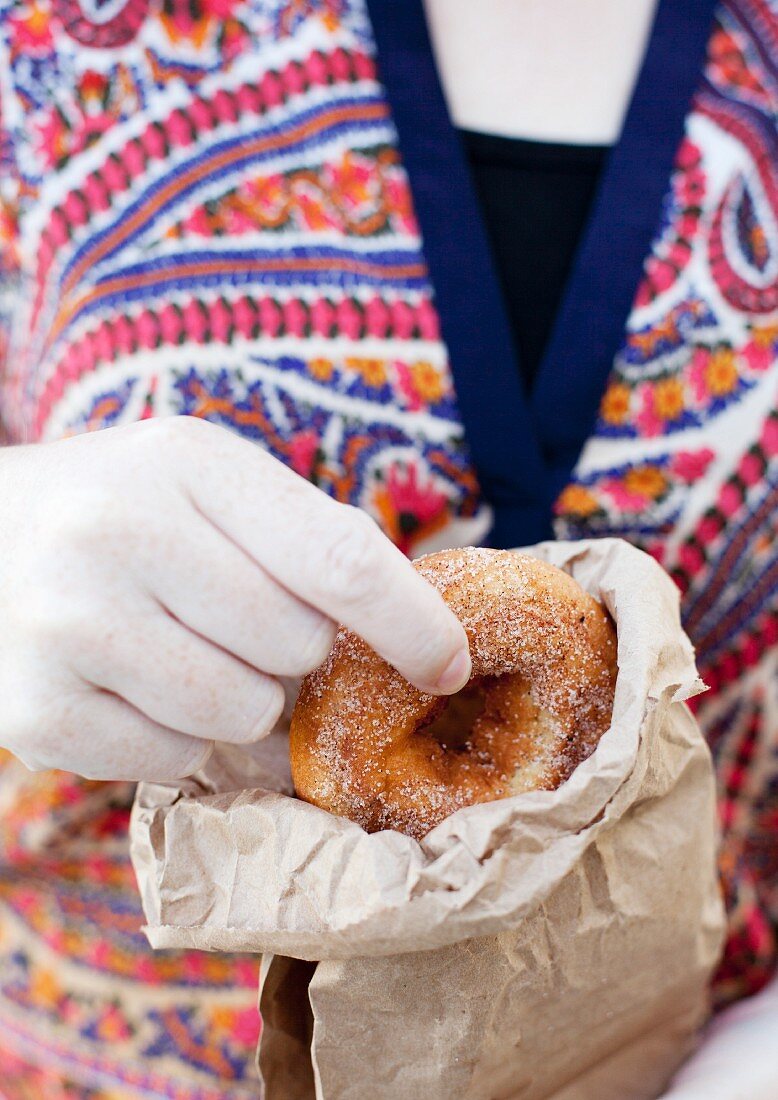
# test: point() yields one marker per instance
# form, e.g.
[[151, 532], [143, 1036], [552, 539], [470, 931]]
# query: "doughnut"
[[367, 745]]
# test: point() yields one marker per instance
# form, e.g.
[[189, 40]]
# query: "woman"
[[213, 209]]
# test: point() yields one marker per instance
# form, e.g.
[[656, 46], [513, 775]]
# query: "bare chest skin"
[[548, 70]]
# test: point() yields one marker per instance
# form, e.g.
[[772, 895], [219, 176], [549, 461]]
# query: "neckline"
[[524, 448], [625, 215], [543, 155]]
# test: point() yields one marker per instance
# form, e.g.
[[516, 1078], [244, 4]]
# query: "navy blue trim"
[[518, 476], [467, 294], [589, 328]]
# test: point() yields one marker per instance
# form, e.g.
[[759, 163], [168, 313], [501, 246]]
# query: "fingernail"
[[456, 675]]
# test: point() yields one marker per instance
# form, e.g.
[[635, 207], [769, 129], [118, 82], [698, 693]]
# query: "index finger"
[[333, 557]]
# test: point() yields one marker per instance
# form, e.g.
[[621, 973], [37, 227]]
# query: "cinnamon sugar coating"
[[369, 746]]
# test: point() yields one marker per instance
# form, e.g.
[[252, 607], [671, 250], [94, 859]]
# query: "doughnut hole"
[[367, 745], [453, 720], [495, 722]]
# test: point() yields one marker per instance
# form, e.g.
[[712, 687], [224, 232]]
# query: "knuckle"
[[162, 441], [177, 431], [350, 560], [93, 515], [75, 523]]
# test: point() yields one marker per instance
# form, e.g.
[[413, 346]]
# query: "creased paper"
[[551, 945]]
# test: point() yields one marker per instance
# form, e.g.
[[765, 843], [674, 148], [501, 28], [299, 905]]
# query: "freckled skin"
[[366, 744]]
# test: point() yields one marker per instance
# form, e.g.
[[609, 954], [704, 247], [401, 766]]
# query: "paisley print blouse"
[[205, 210]]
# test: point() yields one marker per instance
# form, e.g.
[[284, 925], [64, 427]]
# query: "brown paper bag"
[[552, 946]]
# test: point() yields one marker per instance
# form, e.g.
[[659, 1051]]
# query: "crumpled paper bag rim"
[[330, 890]]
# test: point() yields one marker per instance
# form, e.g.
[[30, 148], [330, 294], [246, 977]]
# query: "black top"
[[524, 446], [535, 198]]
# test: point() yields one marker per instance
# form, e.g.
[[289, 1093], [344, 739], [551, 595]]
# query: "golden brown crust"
[[367, 745]]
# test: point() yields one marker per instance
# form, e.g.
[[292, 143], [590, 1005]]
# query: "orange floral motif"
[[721, 372], [663, 331], [44, 988], [32, 30], [669, 398], [321, 369], [112, 1025], [372, 371], [576, 501], [221, 1018], [264, 200], [355, 181], [229, 1022], [645, 481], [359, 193], [615, 403], [764, 336], [9, 223], [427, 381]]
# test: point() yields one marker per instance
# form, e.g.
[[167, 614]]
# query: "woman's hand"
[[738, 1059], [156, 579]]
